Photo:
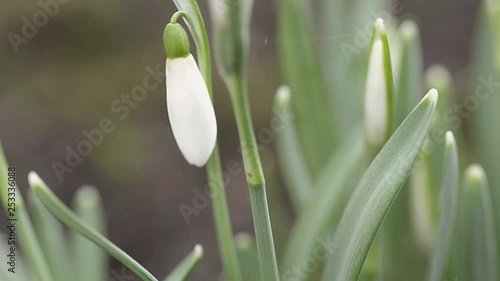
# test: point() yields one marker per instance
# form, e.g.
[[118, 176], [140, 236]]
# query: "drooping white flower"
[[189, 105]]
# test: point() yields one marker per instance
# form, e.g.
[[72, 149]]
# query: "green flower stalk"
[[231, 20]]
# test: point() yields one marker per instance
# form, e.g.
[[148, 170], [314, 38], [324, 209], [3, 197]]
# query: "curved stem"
[[177, 15]]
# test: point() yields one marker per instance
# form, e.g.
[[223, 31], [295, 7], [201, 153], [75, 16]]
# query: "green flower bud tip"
[[175, 41]]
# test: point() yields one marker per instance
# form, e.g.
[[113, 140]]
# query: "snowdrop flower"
[[189, 105], [378, 91]]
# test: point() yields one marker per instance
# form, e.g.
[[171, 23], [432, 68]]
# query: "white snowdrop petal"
[[376, 97], [190, 110]]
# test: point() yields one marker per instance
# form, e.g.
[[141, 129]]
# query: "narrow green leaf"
[[485, 88], [377, 190], [447, 212], [292, 163], [27, 237], [279, 207], [182, 271], [53, 241], [391, 258], [70, 219], [322, 213], [337, 50], [91, 262], [311, 102], [493, 11], [476, 256]]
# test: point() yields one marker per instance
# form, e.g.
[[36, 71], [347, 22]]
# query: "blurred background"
[[80, 65]]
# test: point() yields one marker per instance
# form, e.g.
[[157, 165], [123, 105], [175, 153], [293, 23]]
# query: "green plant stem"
[[196, 25], [249, 149], [255, 177], [221, 218], [231, 36]]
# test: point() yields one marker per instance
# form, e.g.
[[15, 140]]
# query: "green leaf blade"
[[53, 241], [296, 174], [376, 192], [330, 195], [184, 269], [302, 72], [90, 260], [448, 211], [477, 256]]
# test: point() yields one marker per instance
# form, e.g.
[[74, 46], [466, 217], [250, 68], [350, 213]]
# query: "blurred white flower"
[[190, 110]]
